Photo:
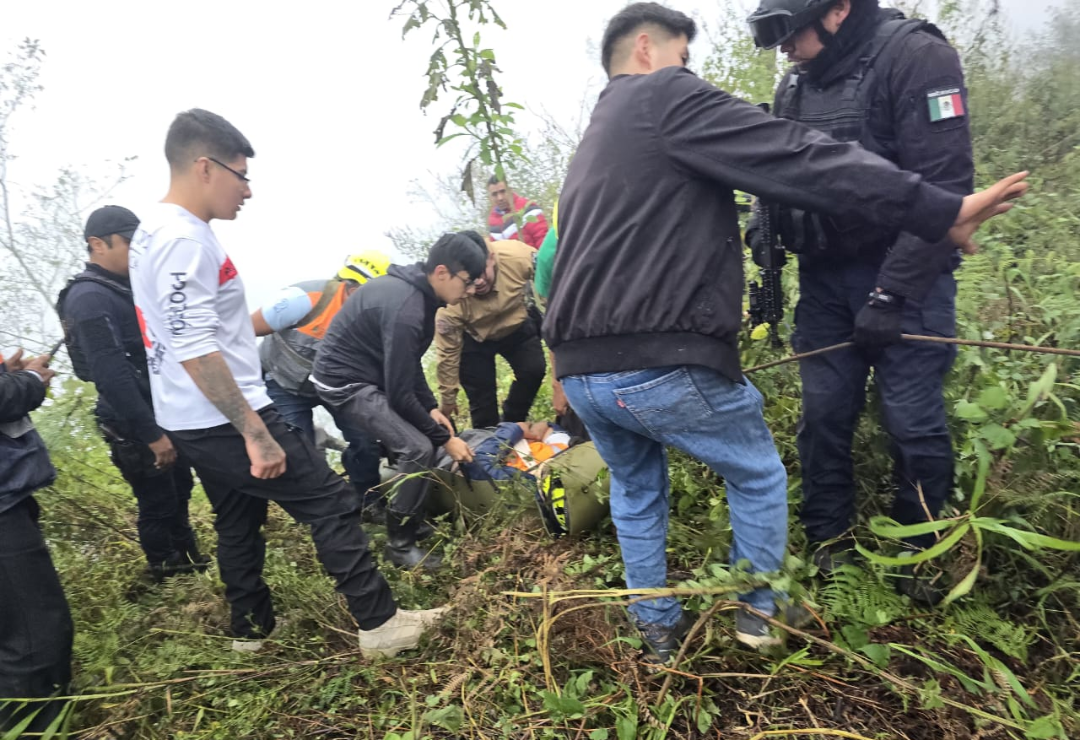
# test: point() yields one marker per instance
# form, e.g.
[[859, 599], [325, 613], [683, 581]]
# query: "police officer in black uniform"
[[105, 343], [866, 74]]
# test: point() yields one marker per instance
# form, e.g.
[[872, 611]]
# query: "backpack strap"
[[78, 360], [785, 103], [91, 277], [883, 47]]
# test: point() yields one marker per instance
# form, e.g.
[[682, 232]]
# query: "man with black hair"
[[293, 322], [646, 302], [106, 348], [499, 318], [209, 394], [868, 75], [368, 369], [514, 217]]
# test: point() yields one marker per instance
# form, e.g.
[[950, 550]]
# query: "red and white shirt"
[[190, 301]]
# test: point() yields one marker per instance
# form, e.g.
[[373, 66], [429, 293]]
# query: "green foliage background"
[[999, 662]]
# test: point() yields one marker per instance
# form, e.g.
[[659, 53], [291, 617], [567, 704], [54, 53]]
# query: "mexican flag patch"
[[945, 104]]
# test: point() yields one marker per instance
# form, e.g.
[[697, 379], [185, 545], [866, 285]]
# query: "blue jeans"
[[632, 416], [910, 380], [360, 460]]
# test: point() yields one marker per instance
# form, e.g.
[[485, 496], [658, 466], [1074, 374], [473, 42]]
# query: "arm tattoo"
[[213, 378]]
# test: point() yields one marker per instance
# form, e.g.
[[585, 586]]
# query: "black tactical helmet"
[[775, 21]]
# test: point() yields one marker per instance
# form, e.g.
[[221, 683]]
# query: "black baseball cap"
[[111, 220]]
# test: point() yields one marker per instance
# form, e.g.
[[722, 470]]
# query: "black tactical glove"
[[878, 323], [754, 240]]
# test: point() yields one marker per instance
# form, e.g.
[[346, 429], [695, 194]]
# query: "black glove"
[[753, 239], [878, 323]]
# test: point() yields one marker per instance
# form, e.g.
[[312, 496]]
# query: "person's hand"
[[448, 409], [164, 453], [15, 362], [458, 450], [559, 401], [440, 418], [877, 325], [267, 457], [984, 205], [39, 365]]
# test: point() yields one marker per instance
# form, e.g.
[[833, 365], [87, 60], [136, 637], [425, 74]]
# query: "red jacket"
[[505, 226]]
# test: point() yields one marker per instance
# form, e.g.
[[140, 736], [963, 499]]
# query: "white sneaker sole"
[[247, 646]]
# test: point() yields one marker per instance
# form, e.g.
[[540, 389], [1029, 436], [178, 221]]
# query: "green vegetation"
[[999, 661]]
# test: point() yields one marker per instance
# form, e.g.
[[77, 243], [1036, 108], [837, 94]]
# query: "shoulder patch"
[[944, 103]]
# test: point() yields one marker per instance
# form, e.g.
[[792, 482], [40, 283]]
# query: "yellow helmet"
[[364, 266]]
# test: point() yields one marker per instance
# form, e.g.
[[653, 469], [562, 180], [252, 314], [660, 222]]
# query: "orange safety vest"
[[288, 355], [538, 452]]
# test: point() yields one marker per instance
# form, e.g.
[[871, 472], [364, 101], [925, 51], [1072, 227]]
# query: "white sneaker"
[[247, 646], [256, 644], [400, 632]]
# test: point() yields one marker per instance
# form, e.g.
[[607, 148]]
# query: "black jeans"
[[35, 623], [360, 460], [311, 493], [165, 532], [909, 377], [523, 351], [366, 406]]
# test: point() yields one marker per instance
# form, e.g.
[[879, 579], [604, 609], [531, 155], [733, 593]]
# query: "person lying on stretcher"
[[515, 449]]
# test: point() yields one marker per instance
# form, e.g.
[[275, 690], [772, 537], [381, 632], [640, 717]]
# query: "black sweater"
[[104, 329], [379, 337], [649, 267]]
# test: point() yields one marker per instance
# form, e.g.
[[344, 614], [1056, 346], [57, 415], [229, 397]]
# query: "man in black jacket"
[[646, 300], [35, 623], [106, 347], [895, 86], [368, 368]]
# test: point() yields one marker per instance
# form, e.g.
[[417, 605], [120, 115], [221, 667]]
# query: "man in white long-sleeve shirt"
[[209, 396]]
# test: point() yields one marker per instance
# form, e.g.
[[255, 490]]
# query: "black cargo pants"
[[311, 493], [35, 623]]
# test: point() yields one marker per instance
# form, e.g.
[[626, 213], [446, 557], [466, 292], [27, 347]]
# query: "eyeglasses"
[[469, 282], [241, 176]]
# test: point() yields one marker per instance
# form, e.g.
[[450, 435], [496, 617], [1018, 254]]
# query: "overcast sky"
[[326, 91]]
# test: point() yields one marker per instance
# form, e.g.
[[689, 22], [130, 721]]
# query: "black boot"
[[424, 530], [196, 561], [401, 548], [373, 511]]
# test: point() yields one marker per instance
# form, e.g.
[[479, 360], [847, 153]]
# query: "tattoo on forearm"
[[213, 378]]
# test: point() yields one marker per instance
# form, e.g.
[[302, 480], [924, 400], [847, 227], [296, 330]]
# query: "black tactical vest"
[[844, 109], [136, 354]]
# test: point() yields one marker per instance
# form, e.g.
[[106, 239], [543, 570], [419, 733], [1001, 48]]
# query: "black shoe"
[[424, 530], [373, 511], [833, 554], [401, 548], [753, 630], [189, 559], [406, 554], [661, 643], [917, 584], [199, 562], [178, 563]]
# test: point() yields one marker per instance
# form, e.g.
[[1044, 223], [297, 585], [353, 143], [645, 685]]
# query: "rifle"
[[767, 296]]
